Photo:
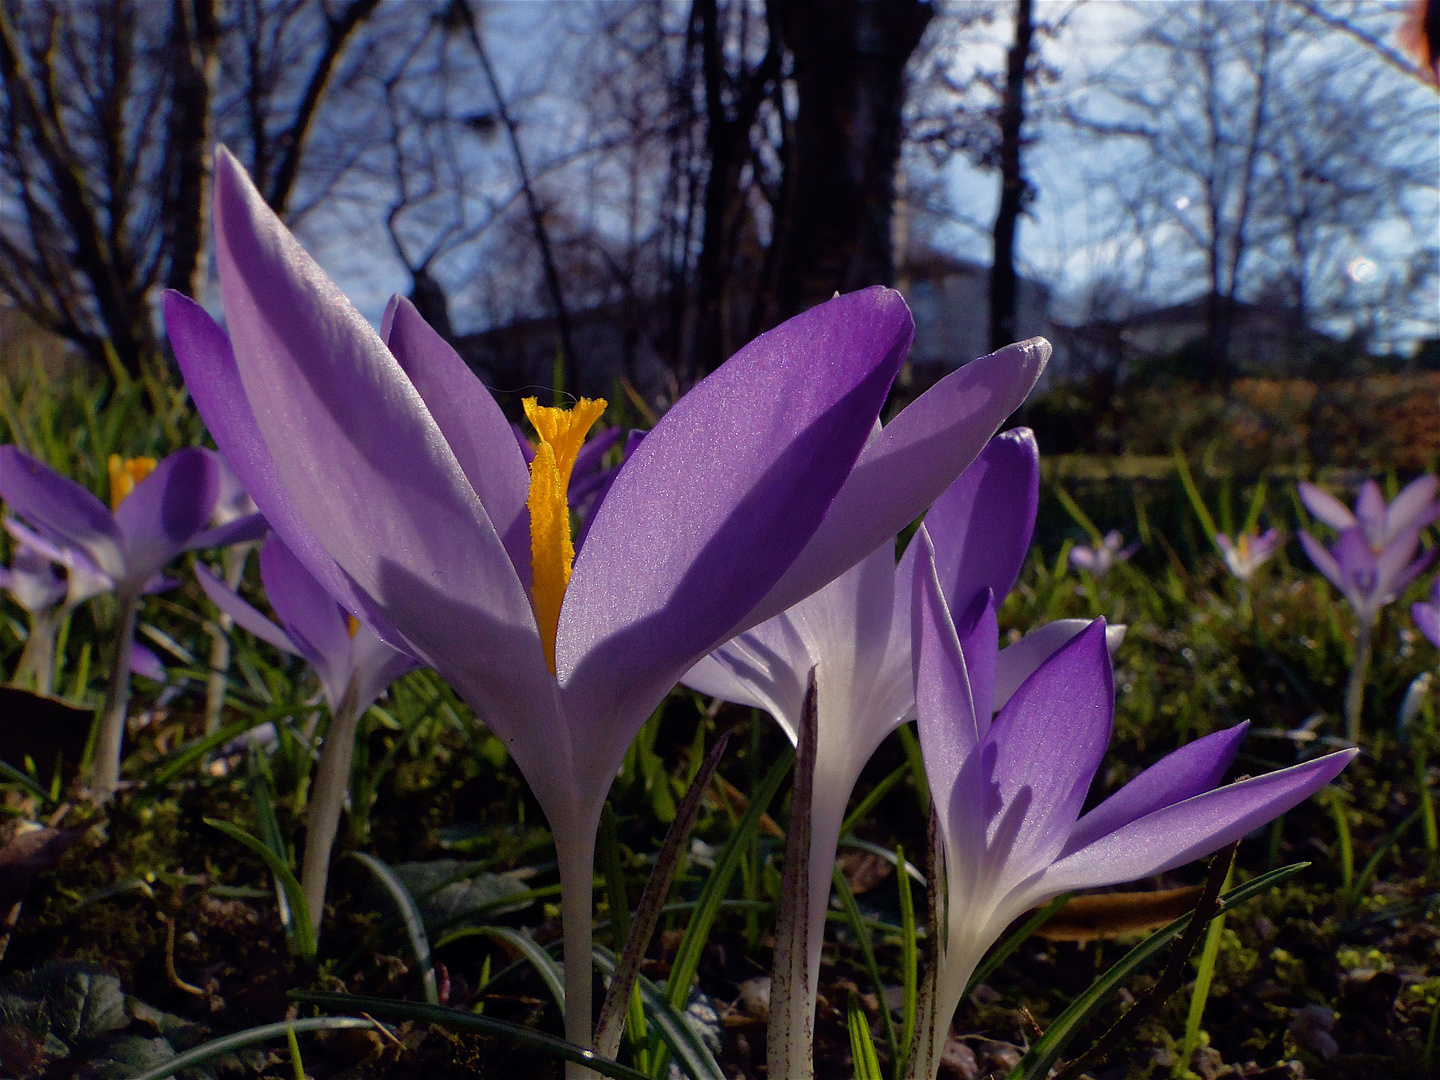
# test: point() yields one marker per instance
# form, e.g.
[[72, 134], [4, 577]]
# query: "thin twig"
[[1173, 976]]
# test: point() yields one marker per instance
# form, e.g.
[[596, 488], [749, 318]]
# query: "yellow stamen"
[[352, 624], [552, 552], [125, 473]]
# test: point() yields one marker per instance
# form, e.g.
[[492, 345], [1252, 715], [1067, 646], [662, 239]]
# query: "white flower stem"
[[575, 853], [37, 662], [105, 771], [327, 801], [1355, 690]]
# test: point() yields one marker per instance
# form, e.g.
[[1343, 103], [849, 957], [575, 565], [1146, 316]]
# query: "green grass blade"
[[862, 1047], [867, 953], [1046, 1051], [1196, 502], [215, 1048], [302, 934], [685, 1044], [460, 1020], [410, 914], [548, 967], [687, 956], [1204, 975]]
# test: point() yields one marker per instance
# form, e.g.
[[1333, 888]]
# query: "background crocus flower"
[[1101, 557], [1248, 551], [1427, 615], [1008, 792], [157, 511], [354, 668], [1371, 561], [855, 634], [390, 472]]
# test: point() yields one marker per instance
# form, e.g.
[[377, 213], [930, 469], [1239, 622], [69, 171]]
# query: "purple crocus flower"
[[1427, 615], [31, 580], [1371, 561], [153, 520], [855, 634], [392, 475], [354, 667], [1101, 557], [1008, 792], [1248, 551]]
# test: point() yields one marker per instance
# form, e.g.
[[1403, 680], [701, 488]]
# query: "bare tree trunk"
[[196, 36], [1013, 185], [850, 58]]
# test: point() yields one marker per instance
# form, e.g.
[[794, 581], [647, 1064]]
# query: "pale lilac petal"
[[473, 425], [1427, 618], [1415, 506], [1048, 742], [60, 508], [981, 525], [244, 615], [1083, 558], [1182, 832], [143, 661], [949, 727], [1326, 507], [31, 580], [369, 471], [909, 463], [1194, 768], [766, 668], [166, 510], [591, 458], [715, 503], [1407, 574], [979, 633], [207, 361], [1370, 512], [375, 666], [1324, 561], [1018, 662], [241, 530], [310, 616], [587, 503]]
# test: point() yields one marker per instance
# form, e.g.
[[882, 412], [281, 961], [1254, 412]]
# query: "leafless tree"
[[113, 107]]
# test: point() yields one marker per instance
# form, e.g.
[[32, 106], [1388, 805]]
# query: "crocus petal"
[[1370, 512], [1415, 506], [1189, 830], [241, 530], [715, 503], [1069, 702], [909, 463], [763, 668], [207, 361], [1326, 507], [143, 661], [245, 616], [1323, 560], [945, 712], [61, 508], [1427, 618], [166, 509], [1083, 558], [473, 425], [981, 525], [375, 666], [1194, 768], [369, 471], [979, 633], [309, 615], [1018, 662]]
